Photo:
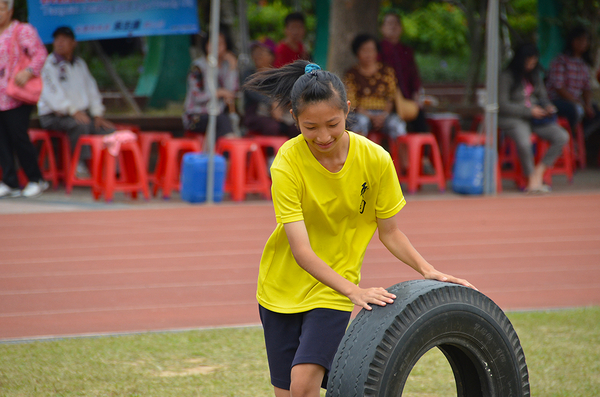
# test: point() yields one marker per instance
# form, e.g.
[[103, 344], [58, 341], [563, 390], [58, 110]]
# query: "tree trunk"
[[348, 18]]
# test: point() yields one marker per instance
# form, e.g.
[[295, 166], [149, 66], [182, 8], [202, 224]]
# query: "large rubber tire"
[[382, 346]]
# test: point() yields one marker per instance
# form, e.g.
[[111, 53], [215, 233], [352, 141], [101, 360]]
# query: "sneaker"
[[82, 171], [34, 189], [7, 191]]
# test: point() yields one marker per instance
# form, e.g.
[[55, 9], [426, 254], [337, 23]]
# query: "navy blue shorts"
[[301, 338]]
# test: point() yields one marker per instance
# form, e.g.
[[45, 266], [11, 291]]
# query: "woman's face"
[[5, 14], [580, 44], [323, 124], [391, 28], [367, 53], [221, 49], [531, 63], [262, 57]]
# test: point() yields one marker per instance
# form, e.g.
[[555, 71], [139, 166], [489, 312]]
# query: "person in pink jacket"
[[14, 114]]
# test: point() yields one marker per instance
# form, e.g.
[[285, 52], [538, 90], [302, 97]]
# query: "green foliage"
[[128, 67], [439, 28], [522, 17], [435, 68], [579, 13], [20, 10], [267, 20]]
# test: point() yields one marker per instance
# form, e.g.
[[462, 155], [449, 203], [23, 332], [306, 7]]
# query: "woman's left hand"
[[439, 276], [23, 77]]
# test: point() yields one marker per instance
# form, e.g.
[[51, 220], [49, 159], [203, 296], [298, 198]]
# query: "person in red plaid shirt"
[[569, 87]]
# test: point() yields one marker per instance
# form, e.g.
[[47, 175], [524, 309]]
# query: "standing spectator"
[[261, 113], [569, 85], [197, 98], [372, 91], [401, 58], [70, 100], [291, 47], [14, 114], [524, 108]]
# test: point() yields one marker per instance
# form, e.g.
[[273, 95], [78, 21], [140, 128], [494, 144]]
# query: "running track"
[[135, 270]]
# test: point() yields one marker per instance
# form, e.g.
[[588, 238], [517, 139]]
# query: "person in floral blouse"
[[17, 39], [372, 91]]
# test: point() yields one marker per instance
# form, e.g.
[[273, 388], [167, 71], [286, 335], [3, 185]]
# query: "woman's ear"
[[294, 118]]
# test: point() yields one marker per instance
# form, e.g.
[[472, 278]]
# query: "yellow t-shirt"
[[340, 211]]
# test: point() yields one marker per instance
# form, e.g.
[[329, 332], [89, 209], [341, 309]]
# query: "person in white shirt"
[[70, 99]]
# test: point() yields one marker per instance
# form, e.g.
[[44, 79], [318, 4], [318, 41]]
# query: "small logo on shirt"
[[363, 203]]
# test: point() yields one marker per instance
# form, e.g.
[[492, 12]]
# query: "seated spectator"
[[197, 98], [569, 85], [401, 58], [372, 91], [291, 47], [261, 114], [70, 99], [17, 39], [524, 108]]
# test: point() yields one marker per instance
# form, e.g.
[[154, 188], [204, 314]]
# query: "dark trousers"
[[199, 123], [419, 124], [72, 128], [14, 139]]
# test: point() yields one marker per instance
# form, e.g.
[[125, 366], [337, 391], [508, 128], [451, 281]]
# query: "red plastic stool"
[[383, 140], [133, 179], [476, 122], [269, 142], [247, 169], [63, 153], [46, 159], [168, 165], [510, 164], [574, 143], [477, 139], [146, 139], [414, 175], [442, 128], [199, 136], [580, 144], [96, 145], [377, 136], [130, 127], [562, 166]]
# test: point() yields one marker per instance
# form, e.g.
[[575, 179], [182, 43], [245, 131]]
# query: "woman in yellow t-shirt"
[[332, 189]]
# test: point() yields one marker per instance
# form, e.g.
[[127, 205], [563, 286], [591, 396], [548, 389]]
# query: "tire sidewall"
[[457, 324]]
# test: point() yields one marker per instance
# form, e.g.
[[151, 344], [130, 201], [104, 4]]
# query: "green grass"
[[562, 349]]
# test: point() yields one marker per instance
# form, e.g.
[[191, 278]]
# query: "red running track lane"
[[138, 270]]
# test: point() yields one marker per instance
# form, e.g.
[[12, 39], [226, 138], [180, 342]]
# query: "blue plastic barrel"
[[194, 170], [467, 177]]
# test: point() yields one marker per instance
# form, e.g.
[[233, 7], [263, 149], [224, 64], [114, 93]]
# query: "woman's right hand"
[[537, 112], [378, 296], [81, 117], [227, 95]]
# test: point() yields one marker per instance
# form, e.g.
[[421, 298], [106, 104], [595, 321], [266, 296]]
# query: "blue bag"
[[467, 177]]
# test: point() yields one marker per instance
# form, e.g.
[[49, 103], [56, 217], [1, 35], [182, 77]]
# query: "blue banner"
[[110, 19]]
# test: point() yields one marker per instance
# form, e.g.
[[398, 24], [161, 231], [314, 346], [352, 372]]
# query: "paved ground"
[[72, 266]]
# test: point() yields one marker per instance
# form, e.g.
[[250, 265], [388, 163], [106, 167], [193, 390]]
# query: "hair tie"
[[311, 68]]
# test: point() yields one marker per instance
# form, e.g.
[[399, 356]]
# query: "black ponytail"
[[291, 86]]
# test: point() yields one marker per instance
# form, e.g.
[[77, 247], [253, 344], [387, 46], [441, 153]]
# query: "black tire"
[[382, 346]]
